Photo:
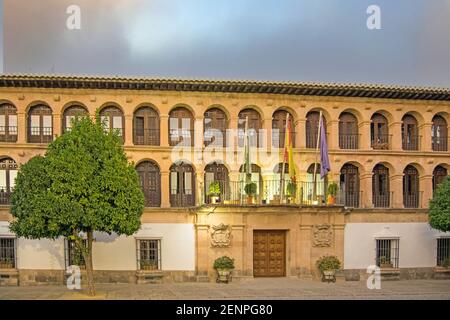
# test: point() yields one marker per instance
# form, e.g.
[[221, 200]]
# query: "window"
[[254, 126], [312, 128], [40, 124], [443, 252], [410, 187], [348, 131], [380, 187], [439, 176], [7, 253], [70, 114], [410, 135], [379, 132], [311, 196], [8, 174], [113, 120], [146, 127], [387, 253], [215, 127], [149, 254], [182, 185], [150, 179], [8, 123], [439, 134], [74, 257], [181, 128], [349, 185], [279, 128], [216, 172]]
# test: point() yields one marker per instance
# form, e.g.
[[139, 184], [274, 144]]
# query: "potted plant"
[[291, 190], [332, 192], [328, 265], [214, 191], [224, 265], [385, 262], [250, 191]]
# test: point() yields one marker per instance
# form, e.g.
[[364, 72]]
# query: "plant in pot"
[[291, 191], [385, 262], [332, 193], [224, 265], [328, 265], [6, 263], [148, 265], [250, 191], [214, 192]]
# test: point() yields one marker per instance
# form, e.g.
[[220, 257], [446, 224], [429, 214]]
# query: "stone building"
[[388, 149]]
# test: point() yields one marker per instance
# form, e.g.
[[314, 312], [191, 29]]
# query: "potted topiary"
[[385, 262], [214, 192], [291, 191], [250, 191], [328, 265], [224, 265], [332, 192]]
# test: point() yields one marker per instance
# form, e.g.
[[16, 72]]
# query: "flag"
[[247, 162], [288, 152], [324, 160]]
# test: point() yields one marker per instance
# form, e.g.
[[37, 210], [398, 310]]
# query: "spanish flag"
[[288, 152]]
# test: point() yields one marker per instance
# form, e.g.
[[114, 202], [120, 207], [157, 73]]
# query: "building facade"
[[388, 150]]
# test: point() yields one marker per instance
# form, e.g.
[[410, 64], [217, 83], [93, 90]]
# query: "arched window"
[[439, 134], [215, 125], [113, 120], [146, 127], [349, 185], [182, 185], [439, 176], [317, 196], [8, 123], [410, 187], [8, 174], [380, 187], [410, 133], [348, 131], [217, 173], [254, 127], [181, 128], [379, 132], [70, 114], [40, 124], [279, 128], [150, 179], [312, 128]]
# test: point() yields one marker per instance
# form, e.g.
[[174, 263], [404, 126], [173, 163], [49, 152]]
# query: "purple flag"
[[324, 160]]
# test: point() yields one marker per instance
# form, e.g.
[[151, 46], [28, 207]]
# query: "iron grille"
[[7, 253], [387, 253], [149, 254], [74, 257], [443, 252]]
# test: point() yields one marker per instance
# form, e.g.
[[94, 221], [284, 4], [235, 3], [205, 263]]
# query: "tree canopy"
[[439, 216]]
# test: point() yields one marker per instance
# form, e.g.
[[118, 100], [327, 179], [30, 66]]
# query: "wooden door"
[[269, 253]]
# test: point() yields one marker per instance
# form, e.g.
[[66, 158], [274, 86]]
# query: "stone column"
[[425, 190], [198, 133], [164, 130], [364, 138], [266, 134], [300, 131], [22, 127], [396, 187], [128, 133], [199, 187], [333, 135], [165, 189], [395, 136], [425, 142], [365, 186], [232, 139]]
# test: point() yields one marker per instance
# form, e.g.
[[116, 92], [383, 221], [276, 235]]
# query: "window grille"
[[387, 253]]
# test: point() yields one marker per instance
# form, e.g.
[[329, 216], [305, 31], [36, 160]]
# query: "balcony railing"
[[382, 200], [348, 141], [40, 134], [185, 198], [413, 200], [5, 196], [440, 143], [181, 137], [279, 138], [411, 142], [8, 134], [146, 137], [381, 142]]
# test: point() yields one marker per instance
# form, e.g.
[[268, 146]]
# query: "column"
[[56, 125], [266, 134], [395, 136], [232, 134], [365, 189], [200, 187], [165, 189], [21, 127], [164, 130], [425, 142], [364, 135], [397, 190], [333, 135], [198, 133], [300, 129], [128, 134], [425, 191]]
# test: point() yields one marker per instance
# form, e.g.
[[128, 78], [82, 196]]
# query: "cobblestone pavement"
[[280, 288]]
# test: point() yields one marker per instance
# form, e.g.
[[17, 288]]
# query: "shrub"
[[328, 263], [332, 189], [291, 189], [214, 189], [250, 189], [224, 263]]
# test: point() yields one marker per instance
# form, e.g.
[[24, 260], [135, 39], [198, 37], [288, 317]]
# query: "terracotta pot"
[[331, 200], [250, 200]]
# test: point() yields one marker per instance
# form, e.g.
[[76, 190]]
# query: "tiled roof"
[[229, 86]]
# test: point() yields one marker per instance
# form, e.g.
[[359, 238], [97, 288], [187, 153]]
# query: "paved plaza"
[[274, 288]]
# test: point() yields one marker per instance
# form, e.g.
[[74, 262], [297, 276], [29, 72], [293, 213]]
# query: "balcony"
[[440, 143], [381, 142], [411, 142], [40, 134], [146, 137], [348, 141], [382, 200], [181, 138], [412, 200], [5, 196], [8, 134]]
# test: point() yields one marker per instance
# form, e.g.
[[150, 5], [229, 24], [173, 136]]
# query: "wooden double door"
[[269, 253]]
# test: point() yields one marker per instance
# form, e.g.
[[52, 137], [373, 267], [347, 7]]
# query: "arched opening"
[[314, 191], [150, 178], [279, 128], [411, 187], [8, 174], [439, 175], [254, 126], [182, 185], [312, 128], [215, 124], [349, 185], [380, 187], [410, 133], [181, 127], [217, 183], [379, 132], [40, 124], [113, 120], [146, 127], [439, 134], [348, 131], [254, 177], [8, 123], [70, 114]]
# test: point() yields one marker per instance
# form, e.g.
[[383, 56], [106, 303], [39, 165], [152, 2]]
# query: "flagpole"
[[317, 154], [283, 166]]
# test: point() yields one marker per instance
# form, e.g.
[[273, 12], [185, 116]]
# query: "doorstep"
[[441, 273], [9, 277], [146, 277], [388, 274]]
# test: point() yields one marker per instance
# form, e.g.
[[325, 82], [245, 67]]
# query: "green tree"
[[439, 216], [83, 184]]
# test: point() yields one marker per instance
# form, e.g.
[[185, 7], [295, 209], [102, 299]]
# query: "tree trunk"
[[89, 265]]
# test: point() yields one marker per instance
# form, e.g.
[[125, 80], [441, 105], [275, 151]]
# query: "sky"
[[270, 40]]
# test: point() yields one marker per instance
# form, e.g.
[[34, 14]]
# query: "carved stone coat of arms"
[[221, 236], [322, 235]]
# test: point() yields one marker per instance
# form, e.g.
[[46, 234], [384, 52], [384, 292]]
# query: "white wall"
[[417, 243]]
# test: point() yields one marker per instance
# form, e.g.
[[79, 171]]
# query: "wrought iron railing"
[[381, 141], [146, 137], [440, 143], [40, 134], [412, 200], [181, 138], [382, 200], [348, 141], [411, 142], [5, 196], [8, 134]]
